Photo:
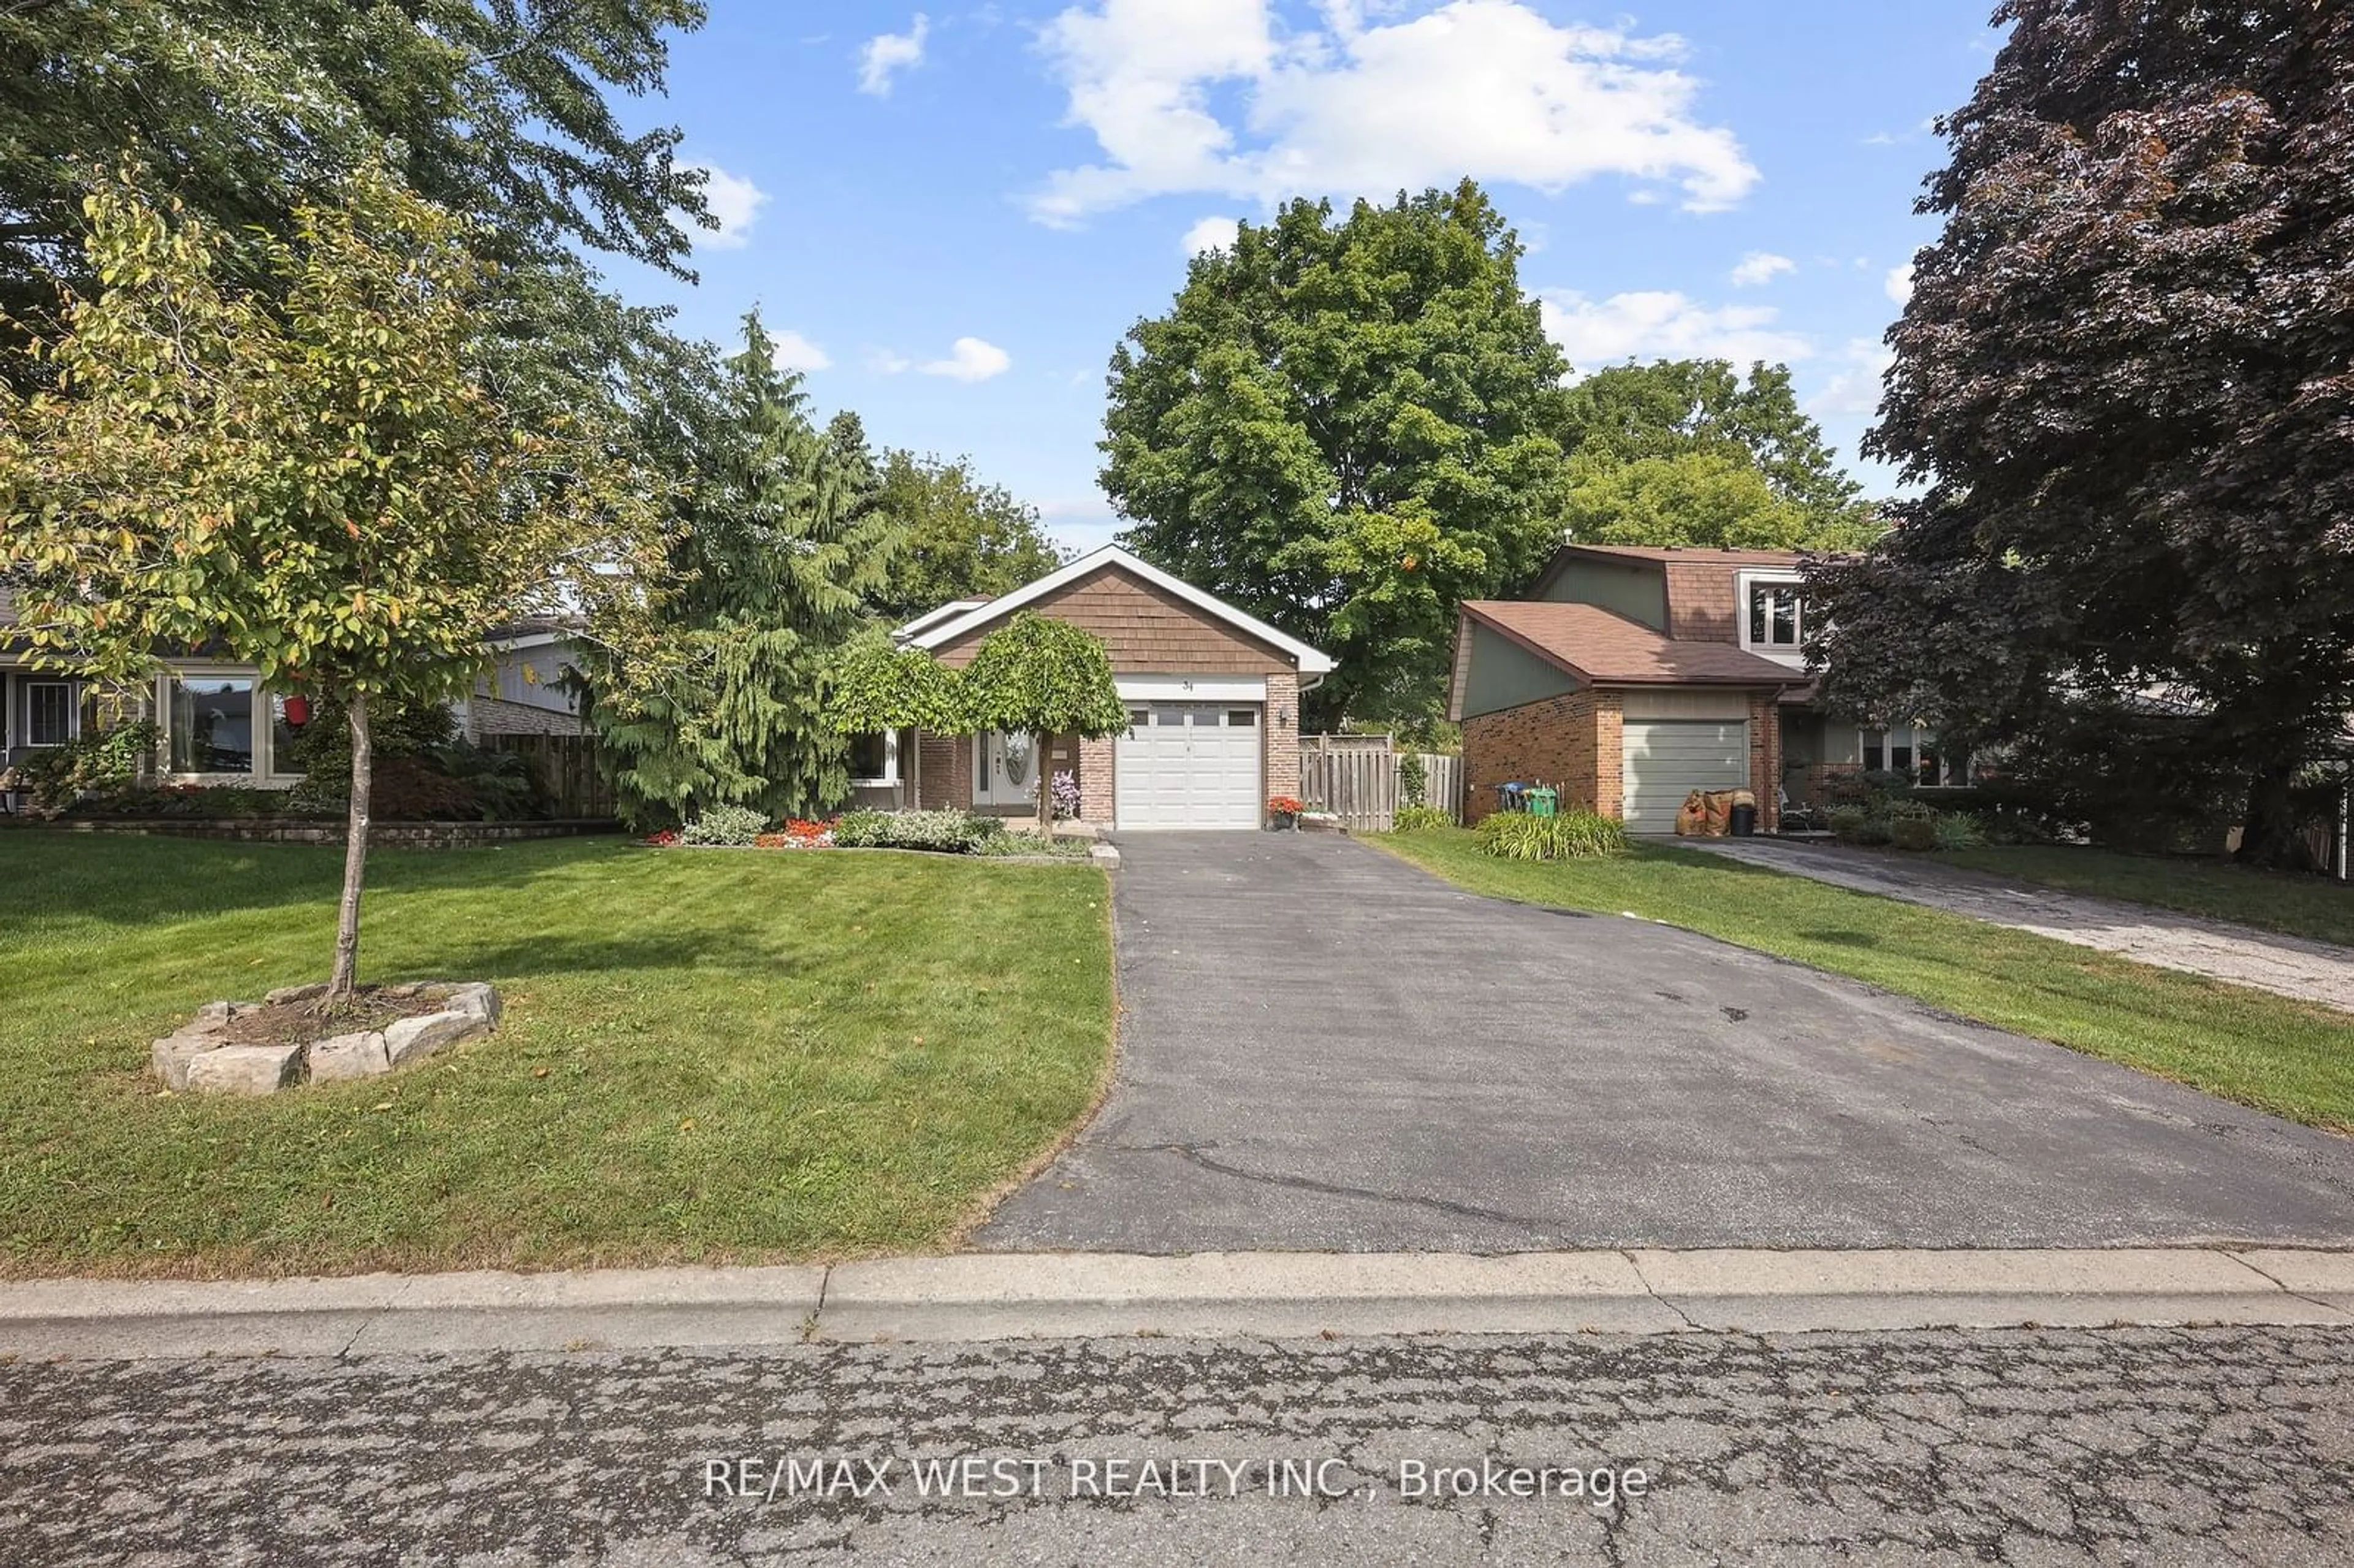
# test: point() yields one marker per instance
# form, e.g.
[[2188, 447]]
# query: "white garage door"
[[1667, 759], [1188, 764]]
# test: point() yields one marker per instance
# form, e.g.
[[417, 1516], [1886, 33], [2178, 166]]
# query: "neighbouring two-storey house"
[[1628, 677]]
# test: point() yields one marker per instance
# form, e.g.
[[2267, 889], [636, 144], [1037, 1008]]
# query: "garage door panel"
[[1667, 759], [1188, 765]]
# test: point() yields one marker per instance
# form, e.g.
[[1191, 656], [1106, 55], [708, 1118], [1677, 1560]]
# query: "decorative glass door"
[[1007, 771]]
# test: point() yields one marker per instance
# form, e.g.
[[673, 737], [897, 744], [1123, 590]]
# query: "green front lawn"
[[707, 1056], [2287, 1058], [2298, 906]]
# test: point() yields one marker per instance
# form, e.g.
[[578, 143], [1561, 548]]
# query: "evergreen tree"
[[777, 547]]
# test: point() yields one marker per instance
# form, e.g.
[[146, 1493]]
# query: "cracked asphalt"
[[2131, 1446], [1324, 1048]]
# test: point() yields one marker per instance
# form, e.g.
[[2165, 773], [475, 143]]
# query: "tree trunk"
[[348, 920], [1046, 788], [2269, 836]]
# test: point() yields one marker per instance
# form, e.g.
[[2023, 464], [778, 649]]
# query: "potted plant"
[[1283, 812]]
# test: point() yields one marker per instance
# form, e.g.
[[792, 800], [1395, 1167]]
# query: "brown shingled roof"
[[1610, 650]]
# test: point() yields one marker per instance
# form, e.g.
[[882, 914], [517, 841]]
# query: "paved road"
[[2289, 966], [1326, 1048], [2161, 1446]]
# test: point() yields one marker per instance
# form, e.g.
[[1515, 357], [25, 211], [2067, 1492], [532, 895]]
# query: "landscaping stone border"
[[381, 835], [197, 1059]]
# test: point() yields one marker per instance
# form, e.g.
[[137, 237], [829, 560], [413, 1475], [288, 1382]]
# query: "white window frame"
[[266, 773], [73, 714], [890, 764], [1915, 736], [1746, 587]]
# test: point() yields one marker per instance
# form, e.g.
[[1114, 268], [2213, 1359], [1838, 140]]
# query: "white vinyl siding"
[[1667, 759], [1188, 764]]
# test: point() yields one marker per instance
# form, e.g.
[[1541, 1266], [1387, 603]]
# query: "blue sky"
[[955, 212]]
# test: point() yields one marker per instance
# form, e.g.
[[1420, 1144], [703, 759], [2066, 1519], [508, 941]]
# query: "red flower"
[[1289, 803]]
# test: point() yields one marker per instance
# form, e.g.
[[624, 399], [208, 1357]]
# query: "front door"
[[1006, 769]]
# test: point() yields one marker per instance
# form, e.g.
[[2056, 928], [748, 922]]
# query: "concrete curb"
[[980, 1297]]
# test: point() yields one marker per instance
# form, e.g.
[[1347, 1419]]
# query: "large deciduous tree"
[[312, 474], [1346, 428], [775, 547], [497, 108], [2125, 381], [1683, 452], [964, 538]]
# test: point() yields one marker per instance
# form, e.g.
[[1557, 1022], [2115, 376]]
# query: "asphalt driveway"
[[1322, 1047]]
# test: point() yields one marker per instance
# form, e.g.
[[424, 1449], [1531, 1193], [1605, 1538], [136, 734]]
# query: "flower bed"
[[937, 831]]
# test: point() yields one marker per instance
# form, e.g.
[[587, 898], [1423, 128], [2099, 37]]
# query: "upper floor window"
[[1776, 616]]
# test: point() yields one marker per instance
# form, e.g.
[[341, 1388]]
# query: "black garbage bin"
[[1744, 822]]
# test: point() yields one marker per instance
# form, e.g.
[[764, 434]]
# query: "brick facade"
[[1096, 758], [1280, 725], [1766, 758], [1557, 741], [1576, 744]]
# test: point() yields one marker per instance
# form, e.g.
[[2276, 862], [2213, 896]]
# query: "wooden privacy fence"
[[568, 769], [1355, 777]]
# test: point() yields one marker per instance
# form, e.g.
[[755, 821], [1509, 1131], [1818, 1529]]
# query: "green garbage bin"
[[1542, 800]]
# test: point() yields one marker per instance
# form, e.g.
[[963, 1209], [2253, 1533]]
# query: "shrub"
[[731, 825], [1857, 825], [1413, 779], [1573, 835], [1066, 791], [1956, 831], [100, 760], [1913, 832], [1420, 819], [943, 833]]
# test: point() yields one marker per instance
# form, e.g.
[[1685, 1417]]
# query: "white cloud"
[[1761, 267], [883, 362], [1854, 390], [1212, 233], [795, 352], [970, 359], [1485, 88], [886, 53], [735, 202], [1899, 285], [1658, 325]]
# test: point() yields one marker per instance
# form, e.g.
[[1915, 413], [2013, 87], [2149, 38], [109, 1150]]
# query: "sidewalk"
[[1210, 1295], [2240, 955]]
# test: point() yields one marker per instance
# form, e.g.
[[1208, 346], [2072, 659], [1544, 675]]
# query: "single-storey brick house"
[[1212, 696], [1628, 677]]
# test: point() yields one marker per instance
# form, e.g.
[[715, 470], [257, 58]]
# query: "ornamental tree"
[[310, 474], [2122, 386], [1046, 677], [878, 688]]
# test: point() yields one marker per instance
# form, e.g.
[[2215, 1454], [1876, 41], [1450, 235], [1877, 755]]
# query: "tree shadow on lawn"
[[125, 880]]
